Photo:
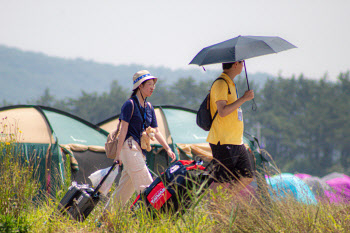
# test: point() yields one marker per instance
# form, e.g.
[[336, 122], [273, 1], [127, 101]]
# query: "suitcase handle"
[[104, 178]]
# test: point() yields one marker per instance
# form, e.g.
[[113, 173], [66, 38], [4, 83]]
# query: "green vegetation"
[[18, 188], [211, 212], [306, 124]]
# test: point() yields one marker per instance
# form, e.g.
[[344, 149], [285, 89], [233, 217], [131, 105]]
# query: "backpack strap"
[[228, 89], [133, 106], [132, 112]]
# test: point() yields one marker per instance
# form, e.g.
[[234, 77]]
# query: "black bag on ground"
[[80, 200], [204, 119], [170, 192]]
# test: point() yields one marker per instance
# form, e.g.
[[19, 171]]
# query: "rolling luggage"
[[80, 200], [171, 191]]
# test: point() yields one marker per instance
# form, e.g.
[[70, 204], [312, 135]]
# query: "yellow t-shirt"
[[228, 129]]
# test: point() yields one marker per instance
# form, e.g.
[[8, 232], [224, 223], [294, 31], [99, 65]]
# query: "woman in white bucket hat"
[[136, 115]]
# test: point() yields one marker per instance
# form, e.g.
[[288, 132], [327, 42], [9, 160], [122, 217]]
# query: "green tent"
[[179, 128], [44, 135]]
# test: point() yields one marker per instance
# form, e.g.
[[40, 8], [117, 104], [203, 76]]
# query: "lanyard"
[[144, 117], [143, 112], [236, 89]]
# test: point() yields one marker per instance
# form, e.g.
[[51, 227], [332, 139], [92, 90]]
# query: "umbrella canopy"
[[240, 48]]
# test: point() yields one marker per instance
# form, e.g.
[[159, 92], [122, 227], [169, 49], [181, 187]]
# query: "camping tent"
[[45, 135], [333, 188], [287, 184], [179, 128]]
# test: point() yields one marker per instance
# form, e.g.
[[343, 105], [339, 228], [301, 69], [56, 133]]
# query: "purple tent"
[[334, 187], [341, 189], [303, 176]]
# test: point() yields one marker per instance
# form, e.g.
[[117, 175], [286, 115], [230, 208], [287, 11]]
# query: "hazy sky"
[[171, 33]]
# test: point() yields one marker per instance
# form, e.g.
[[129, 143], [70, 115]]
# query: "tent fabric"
[[27, 124], [44, 134], [340, 192], [287, 184], [333, 175], [332, 188], [303, 176], [80, 147], [75, 147], [162, 126], [182, 126], [78, 131], [89, 162], [112, 123], [316, 184], [201, 150]]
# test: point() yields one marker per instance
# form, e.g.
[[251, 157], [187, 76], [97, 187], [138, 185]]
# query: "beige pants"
[[135, 175]]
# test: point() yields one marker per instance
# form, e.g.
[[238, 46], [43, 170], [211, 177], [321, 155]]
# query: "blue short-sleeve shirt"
[[136, 119]]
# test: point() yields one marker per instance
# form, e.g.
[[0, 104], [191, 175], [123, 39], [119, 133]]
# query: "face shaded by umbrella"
[[240, 48]]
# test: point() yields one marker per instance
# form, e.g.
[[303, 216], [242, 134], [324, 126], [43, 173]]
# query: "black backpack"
[[204, 119]]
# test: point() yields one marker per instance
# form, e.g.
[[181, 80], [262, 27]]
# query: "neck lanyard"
[[236, 89], [143, 127]]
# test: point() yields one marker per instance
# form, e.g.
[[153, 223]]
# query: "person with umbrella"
[[226, 133]]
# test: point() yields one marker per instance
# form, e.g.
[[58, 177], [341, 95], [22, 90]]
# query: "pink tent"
[[334, 187], [340, 189]]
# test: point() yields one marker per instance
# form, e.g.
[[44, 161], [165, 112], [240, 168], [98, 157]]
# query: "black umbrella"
[[241, 48]]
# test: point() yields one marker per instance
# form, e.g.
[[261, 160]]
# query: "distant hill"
[[25, 75]]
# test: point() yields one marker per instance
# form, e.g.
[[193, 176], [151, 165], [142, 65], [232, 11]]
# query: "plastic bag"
[[98, 175]]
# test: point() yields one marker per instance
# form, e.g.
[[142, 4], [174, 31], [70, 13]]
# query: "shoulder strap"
[[149, 104], [132, 112], [229, 92], [132, 102], [228, 87]]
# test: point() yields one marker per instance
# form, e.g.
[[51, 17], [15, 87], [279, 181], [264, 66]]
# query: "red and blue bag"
[[172, 189]]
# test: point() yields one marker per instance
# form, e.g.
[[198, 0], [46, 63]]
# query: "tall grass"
[[212, 212], [17, 188]]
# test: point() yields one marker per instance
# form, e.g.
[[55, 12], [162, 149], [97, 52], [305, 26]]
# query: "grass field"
[[23, 210]]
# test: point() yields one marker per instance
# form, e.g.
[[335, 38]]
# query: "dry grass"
[[219, 212], [226, 214]]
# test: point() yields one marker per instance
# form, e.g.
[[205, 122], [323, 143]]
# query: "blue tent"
[[285, 184]]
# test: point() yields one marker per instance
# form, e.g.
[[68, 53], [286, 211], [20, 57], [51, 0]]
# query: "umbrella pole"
[[254, 107], [246, 74]]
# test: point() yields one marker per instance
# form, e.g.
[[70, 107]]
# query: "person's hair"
[[226, 66], [134, 92]]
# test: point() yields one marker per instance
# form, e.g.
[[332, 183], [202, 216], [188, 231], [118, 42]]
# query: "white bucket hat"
[[140, 77]]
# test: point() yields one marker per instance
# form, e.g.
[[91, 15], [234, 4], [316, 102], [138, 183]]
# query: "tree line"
[[303, 123]]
